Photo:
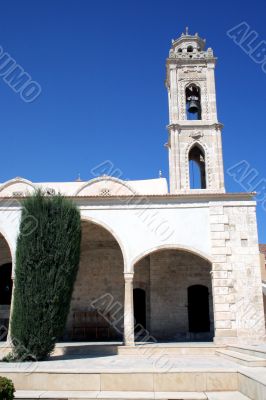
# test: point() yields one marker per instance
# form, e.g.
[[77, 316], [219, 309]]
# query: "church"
[[159, 262]]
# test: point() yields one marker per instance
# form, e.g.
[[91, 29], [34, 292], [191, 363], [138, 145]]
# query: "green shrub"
[[6, 389], [47, 259], [9, 357]]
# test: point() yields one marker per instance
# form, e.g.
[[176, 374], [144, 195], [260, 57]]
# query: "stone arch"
[[204, 149], [20, 184], [11, 246], [197, 160], [97, 304], [193, 94], [166, 272], [105, 186], [179, 247], [102, 224]]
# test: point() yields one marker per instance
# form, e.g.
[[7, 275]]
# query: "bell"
[[193, 106]]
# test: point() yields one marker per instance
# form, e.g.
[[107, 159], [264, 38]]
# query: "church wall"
[[148, 226], [224, 230]]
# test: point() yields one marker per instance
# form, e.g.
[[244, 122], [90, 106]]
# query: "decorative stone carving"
[[105, 192], [196, 135], [18, 193]]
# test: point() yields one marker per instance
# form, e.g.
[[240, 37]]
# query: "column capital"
[[128, 276]]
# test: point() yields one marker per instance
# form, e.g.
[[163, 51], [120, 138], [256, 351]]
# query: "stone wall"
[[5, 255], [237, 286]]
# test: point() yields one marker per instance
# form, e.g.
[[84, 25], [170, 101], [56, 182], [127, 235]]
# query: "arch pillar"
[[129, 339], [8, 339]]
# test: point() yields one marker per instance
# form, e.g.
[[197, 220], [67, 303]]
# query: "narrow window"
[[197, 168]]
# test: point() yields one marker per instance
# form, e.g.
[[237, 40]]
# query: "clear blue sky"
[[101, 66]]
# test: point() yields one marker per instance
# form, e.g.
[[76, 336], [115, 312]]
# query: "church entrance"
[[139, 298], [198, 309]]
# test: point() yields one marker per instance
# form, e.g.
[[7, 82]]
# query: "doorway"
[[198, 309], [139, 300]]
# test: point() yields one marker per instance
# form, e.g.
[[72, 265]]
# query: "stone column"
[[129, 311], [11, 309]]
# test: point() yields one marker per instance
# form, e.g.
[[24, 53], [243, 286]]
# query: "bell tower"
[[194, 143]]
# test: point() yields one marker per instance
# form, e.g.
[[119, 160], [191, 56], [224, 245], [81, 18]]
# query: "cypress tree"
[[47, 259]]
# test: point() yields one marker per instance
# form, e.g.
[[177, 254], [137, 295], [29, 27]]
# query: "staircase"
[[243, 357]]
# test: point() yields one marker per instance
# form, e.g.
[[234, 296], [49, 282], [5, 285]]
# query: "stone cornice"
[[199, 197], [191, 61], [187, 125]]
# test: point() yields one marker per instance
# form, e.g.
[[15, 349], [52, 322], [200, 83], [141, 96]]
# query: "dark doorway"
[[198, 308], [5, 298], [5, 284], [139, 298]]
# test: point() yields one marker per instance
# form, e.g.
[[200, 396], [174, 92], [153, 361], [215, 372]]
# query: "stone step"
[[87, 395], [89, 349], [226, 396], [256, 351], [140, 349], [252, 383], [242, 358], [178, 381], [168, 350]]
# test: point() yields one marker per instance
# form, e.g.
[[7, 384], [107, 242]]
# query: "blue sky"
[[101, 66]]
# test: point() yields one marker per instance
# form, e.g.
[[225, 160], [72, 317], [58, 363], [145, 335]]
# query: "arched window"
[[193, 102], [197, 168], [189, 49], [198, 308]]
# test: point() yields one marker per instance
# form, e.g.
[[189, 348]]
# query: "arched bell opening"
[[6, 285], [197, 168], [97, 304], [193, 102], [166, 276]]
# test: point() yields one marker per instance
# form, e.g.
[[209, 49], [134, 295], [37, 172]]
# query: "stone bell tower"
[[195, 146]]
